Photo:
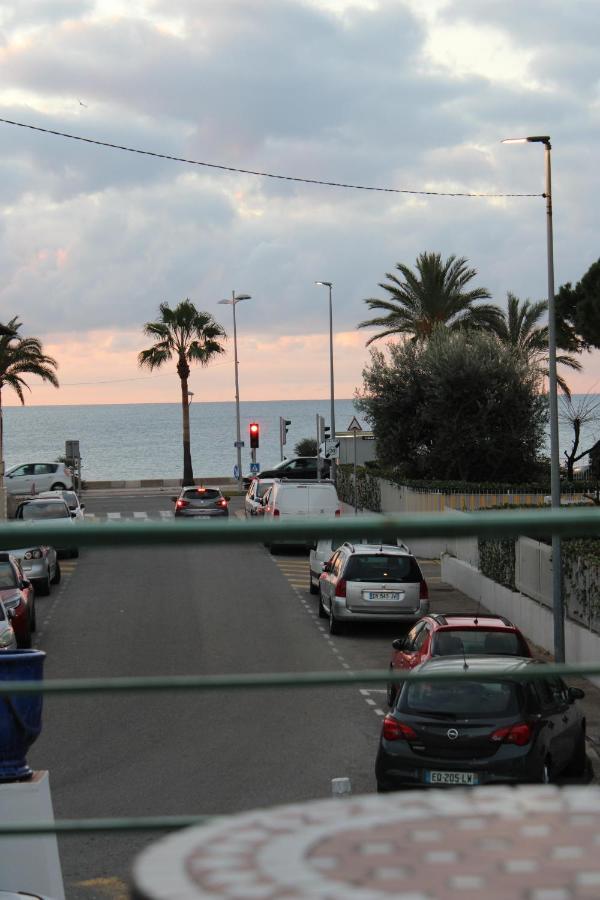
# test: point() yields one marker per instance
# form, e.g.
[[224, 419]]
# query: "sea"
[[143, 440]]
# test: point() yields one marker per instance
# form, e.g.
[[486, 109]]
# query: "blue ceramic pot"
[[21, 714]]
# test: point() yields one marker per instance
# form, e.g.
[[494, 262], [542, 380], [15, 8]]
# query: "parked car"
[[76, 508], [371, 582], [292, 499], [18, 596], [8, 640], [53, 510], [448, 634], [29, 478], [200, 502], [253, 501], [40, 565], [300, 467], [480, 730], [321, 552]]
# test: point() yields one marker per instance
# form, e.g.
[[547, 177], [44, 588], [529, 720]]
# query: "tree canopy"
[[21, 356], [436, 293], [578, 311], [458, 407]]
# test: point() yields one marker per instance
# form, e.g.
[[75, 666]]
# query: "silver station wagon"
[[371, 582]]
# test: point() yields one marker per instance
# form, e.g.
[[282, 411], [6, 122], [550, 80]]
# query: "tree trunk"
[[188, 474]]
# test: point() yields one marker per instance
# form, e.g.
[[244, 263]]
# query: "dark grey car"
[[481, 730], [199, 501]]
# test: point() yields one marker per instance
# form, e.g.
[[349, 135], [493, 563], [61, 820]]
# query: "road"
[[195, 610]]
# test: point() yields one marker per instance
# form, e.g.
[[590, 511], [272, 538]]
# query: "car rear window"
[[474, 699], [379, 567], [262, 489], [8, 579], [41, 510], [478, 640], [70, 498], [206, 494]]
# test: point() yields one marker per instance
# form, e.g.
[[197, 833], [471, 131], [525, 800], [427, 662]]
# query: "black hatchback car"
[[481, 730], [199, 502]]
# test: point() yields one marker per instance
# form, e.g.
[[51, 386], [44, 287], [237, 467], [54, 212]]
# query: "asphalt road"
[[197, 611]]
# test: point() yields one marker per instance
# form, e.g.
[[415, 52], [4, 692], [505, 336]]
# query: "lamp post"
[[557, 597], [5, 331], [235, 299], [328, 284]]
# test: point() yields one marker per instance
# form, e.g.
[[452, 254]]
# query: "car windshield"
[[202, 494], [379, 567], [473, 699], [261, 489], [39, 510], [70, 498], [478, 640], [8, 579]]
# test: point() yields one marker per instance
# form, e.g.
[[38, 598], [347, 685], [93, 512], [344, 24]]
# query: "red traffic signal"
[[254, 435]]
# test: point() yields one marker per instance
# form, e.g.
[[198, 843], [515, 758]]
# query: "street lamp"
[[557, 598], [235, 299], [328, 284]]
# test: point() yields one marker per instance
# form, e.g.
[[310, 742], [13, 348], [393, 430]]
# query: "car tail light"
[[340, 588], [181, 503], [201, 490], [275, 511], [423, 590], [338, 512], [34, 554], [513, 734], [393, 730], [223, 502]]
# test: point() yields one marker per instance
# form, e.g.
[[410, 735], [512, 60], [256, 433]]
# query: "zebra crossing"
[[157, 514]]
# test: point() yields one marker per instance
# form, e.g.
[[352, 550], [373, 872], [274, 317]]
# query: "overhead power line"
[[195, 162]]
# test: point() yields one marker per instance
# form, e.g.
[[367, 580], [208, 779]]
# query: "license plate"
[[383, 595], [451, 778]]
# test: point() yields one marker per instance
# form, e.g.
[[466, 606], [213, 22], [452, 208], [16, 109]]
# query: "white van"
[[292, 499]]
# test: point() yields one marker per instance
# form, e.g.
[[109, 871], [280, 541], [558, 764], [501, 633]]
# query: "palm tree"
[[18, 357], [188, 335], [518, 329], [435, 294]]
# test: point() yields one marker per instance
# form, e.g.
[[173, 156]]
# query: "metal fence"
[[572, 522]]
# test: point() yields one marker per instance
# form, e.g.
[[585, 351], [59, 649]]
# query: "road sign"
[[354, 425], [254, 468], [236, 472], [72, 449], [329, 449], [238, 444]]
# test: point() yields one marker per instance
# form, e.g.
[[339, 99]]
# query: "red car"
[[455, 634], [18, 596]]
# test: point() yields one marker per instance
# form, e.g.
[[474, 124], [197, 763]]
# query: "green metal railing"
[[542, 523]]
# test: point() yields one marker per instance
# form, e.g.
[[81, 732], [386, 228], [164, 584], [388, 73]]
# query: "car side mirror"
[[399, 644], [227, 498], [327, 567], [575, 694], [174, 499], [82, 506], [73, 515], [25, 583]]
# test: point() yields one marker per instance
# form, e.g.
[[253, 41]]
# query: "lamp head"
[[534, 139], [325, 283]]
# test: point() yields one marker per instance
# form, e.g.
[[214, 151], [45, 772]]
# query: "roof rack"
[[442, 618]]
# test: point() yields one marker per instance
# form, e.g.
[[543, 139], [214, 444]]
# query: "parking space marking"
[[292, 569], [140, 515]]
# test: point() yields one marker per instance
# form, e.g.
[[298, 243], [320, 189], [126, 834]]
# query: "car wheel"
[[24, 643], [74, 552], [43, 587], [578, 764], [335, 626], [32, 618], [57, 574], [382, 788], [59, 486], [323, 614], [312, 587]]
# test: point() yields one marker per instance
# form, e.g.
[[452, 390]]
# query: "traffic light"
[[254, 435], [284, 425], [326, 432]]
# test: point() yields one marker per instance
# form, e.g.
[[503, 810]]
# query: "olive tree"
[[460, 407]]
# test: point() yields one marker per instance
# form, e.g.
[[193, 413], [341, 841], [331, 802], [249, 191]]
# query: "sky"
[[404, 94]]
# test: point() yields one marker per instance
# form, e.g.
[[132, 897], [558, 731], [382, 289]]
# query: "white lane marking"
[[113, 515], [370, 702], [140, 515], [379, 712], [166, 514]]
